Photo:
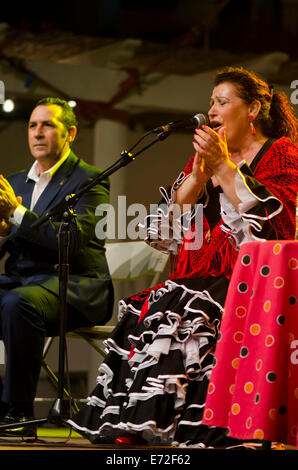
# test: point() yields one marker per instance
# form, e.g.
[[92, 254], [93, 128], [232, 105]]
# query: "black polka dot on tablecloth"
[[258, 332], [265, 271], [242, 287], [292, 300], [281, 319], [246, 260], [271, 377], [243, 351], [257, 398]]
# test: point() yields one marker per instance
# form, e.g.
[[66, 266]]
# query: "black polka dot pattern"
[[271, 377], [265, 271], [256, 379], [281, 319], [282, 410], [243, 351], [292, 300], [242, 287], [246, 260]]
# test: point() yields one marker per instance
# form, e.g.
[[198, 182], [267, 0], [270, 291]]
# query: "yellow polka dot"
[[235, 409], [248, 387], [211, 388], [267, 305], [259, 434], [272, 413], [235, 363], [291, 337], [277, 248], [232, 389], [255, 329]]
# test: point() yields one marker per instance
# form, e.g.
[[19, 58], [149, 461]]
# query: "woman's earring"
[[251, 125]]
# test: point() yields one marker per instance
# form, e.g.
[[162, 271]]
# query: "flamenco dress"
[[154, 380]]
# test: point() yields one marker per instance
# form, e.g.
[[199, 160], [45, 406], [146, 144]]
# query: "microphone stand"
[[60, 410]]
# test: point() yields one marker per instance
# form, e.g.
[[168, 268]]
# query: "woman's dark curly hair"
[[276, 116]]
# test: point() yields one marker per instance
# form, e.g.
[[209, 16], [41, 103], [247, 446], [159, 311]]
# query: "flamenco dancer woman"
[[152, 386]]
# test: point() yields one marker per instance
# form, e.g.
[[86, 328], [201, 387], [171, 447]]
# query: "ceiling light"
[[8, 105], [72, 103]]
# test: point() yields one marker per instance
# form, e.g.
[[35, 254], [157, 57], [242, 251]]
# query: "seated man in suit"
[[29, 288]]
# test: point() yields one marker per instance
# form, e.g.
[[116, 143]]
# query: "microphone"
[[197, 121]]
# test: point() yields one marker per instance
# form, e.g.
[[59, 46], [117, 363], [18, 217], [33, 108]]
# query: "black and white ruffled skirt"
[[154, 379]]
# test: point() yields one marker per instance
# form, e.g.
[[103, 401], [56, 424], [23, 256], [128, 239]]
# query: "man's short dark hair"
[[68, 117]]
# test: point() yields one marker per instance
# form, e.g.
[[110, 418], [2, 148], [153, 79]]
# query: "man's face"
[[47, 136]]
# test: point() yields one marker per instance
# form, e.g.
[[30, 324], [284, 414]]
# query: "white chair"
[[127, 261]]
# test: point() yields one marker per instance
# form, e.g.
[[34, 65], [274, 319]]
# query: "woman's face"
[[227, 109]]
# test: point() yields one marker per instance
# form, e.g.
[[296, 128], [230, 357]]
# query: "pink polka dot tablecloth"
[[253, 389]]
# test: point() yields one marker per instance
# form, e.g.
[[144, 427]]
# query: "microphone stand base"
[[60, 411]]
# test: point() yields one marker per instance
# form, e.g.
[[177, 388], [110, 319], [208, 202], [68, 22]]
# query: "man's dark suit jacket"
[[33, 253]]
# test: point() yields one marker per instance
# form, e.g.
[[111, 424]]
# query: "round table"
[[253, 389]]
